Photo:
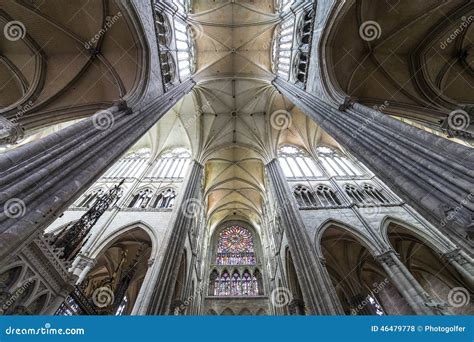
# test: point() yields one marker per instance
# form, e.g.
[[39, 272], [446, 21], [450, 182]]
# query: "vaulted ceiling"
[[57, 64], [238, 128], [416, 55], [234, 119]]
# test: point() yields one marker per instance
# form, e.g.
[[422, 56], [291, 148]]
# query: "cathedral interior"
[[236, 157]]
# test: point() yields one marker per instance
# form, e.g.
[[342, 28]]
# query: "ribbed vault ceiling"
[[228, 117], [421, 63], [55, 73]]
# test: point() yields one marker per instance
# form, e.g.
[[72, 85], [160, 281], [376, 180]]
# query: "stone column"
[[39, 180], [88, 265], [462, 263], [190, 205], [406, 284], [432, 174], [320, 299]]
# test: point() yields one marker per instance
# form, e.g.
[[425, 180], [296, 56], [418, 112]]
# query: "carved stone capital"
[[387, 258], [348, 103], [455, 256], [10, 132]]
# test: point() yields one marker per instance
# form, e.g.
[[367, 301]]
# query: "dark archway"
[[361, 284], [437, 276]]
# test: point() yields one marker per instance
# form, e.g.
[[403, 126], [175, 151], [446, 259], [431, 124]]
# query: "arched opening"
[[113, 284], [141, 199], [227, 312], [14, 302], [9, 278], [296, 306], [89, 198], [37, 305], [437, 276], [164, 199], [361, 283], [211, 312], [245, 312]]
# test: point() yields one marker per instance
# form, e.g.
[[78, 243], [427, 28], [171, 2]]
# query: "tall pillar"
[[320, 299], [462, 263], [39, 180], [432, 174], [190, 204], [406, 284]]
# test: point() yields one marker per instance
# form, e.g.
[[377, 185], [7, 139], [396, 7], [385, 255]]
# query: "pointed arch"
[[361, 237], [228, 312]]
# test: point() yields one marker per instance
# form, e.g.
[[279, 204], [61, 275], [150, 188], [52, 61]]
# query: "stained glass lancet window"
[[235, 247]]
